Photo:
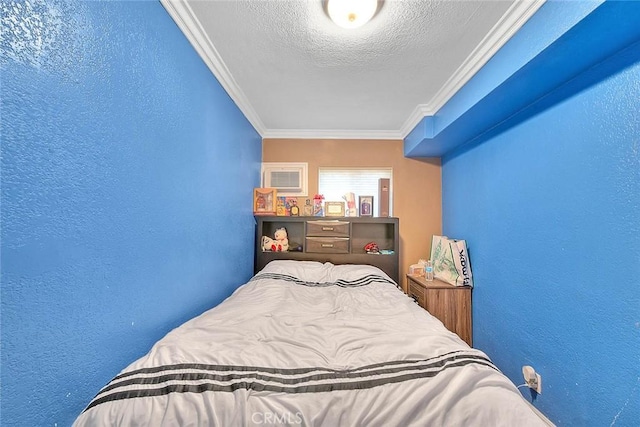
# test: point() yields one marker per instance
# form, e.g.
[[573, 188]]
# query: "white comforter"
[[311, 344]]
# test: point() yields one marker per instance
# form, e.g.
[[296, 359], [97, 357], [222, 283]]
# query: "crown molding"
[[419, 113], [331, 134], [511, 21], [186, 20]]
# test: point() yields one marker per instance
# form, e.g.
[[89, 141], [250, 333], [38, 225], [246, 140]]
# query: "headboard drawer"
[[327, 245], [328, 228]]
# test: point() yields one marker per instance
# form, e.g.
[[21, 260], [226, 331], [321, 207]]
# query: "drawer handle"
[[327, 245], [327, 228]]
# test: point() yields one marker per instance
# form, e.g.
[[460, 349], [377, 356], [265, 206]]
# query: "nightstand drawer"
[[417, 292], [327, 245], [328, 228]]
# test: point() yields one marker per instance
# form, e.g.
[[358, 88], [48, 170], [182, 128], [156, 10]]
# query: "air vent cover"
[[289, 178]]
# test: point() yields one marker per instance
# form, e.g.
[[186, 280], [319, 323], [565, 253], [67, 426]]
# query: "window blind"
[[333, 183]]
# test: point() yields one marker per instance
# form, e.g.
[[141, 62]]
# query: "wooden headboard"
[[338, 240]]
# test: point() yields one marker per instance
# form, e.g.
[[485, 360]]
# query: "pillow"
[[308, 271], [353, 272], [316, 272]]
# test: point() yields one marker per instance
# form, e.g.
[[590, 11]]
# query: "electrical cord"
[[523, 385]]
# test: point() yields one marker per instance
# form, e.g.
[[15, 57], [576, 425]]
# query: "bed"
[[313, 344]]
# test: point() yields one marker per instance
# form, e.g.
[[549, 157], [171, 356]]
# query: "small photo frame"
[[366, 205], [281, 207], [264, 201], [333, 208], [292, 206]]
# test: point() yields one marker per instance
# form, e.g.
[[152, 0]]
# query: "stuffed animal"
[[279, 244], [282, 240], [372, 248]]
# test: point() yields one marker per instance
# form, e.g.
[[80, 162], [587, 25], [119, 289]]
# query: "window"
[[333, 183]]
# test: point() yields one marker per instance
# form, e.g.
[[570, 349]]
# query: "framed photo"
[[281, 207], [333, 208], [264, 201], [366, 205], [292, 206]]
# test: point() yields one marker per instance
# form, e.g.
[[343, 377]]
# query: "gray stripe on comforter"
[[262, 378]]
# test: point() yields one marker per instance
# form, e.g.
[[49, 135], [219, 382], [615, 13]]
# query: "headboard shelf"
[[338, 240]]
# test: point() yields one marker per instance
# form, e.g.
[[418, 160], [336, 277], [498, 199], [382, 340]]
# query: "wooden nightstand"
[[450, 304]]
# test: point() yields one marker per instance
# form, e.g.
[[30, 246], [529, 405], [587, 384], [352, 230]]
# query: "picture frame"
[[333, 208], [281, 207], [264, 201], [292, 206], [307, 209], [365, 204]]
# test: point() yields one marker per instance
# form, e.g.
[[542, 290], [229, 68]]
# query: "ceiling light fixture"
[[351, 13]]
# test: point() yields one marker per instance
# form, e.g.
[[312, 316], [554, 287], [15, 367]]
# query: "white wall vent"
[[290, 179]]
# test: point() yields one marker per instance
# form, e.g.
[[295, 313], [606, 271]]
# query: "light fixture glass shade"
[[351, 13]]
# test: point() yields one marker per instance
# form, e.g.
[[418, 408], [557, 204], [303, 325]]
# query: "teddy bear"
[[279, 244]]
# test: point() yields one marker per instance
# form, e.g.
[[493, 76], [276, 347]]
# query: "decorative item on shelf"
[[350, 198], [384, 185], [372, 248], [295, 210], [317, 205], [291, 203], [333, 208], [281, 207], [264, 201], [366, 205], [279, 244], [307, 209]]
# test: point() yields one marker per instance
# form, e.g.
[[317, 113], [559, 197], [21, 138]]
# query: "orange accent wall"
[[417, 183]]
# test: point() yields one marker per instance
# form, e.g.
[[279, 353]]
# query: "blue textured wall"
[[127, 175], [551, 212]]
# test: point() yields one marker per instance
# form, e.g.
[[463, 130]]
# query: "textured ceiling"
[[296, 74]]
